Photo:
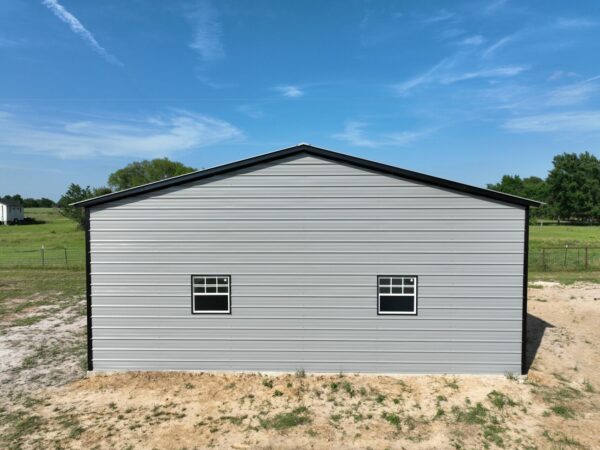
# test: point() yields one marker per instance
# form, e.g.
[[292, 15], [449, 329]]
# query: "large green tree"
[[147, 171], [76, 193], [530, 187], [574, 186]]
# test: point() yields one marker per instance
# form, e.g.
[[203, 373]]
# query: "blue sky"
[[465, 90]]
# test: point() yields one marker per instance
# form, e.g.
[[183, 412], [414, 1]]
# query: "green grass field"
[[20, 248], [561, 235], [21, 245]]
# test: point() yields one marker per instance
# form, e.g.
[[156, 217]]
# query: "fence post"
[[586, 259], [566, 248], [66, 260], [544, 259], [42, 254]]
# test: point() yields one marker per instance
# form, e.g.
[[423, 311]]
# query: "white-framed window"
[[211, 294], [397, 294]]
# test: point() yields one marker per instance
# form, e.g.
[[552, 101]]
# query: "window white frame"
[[210, 286], [399, 286]]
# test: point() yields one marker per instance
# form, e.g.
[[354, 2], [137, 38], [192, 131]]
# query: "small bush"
[[267, 383]]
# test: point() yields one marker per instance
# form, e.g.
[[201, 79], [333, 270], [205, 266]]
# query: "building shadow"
[[535, 333]]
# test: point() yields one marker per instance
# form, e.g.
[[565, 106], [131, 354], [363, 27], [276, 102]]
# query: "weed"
[[380, 398], [300, 373], [347, 387], [392, 418], [277, 393], [500, 400], [267, 383], [20, 425], [493, 433], [587, 387], [282, 421], [471, 414], [334, 386], [335, 417], [439, 413], [189, 386], [235, 420], [26, 321], [452, 384], [563, 411]]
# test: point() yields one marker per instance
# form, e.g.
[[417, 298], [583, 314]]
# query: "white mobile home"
[[307, 259], [11, 212]]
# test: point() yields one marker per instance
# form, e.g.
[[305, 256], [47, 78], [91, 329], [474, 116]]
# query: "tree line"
[[571, 191], [31, 202]]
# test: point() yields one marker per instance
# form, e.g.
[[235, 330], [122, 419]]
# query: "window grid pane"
[[211, 294], [397, 295]]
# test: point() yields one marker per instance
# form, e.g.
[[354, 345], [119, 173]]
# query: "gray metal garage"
[[307, 259]]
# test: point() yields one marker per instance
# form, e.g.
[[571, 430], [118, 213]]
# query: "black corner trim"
[[524, 367], [88, 291], [315, 151]]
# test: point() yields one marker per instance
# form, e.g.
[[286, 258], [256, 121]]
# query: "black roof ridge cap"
[[319, 152]]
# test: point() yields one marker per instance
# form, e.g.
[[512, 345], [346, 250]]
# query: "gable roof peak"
[[316, 151]]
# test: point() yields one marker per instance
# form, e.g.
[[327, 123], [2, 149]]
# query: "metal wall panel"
[[304, 240]]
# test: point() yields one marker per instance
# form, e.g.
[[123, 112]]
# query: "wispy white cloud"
[[488, 52], [252, 111], [440, 16], [290, 91], [403, 88], [473, 41], [12, 42], [572, 94], [445, 73], [77, 28], [29, 168], [354, 134], [151, 137], [572, 121], [208, 32], [559, 74], [495, 72], [494, 6], [575, 22]]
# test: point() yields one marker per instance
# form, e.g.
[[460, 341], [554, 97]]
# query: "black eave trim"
[[315, 151], [525, 281], [88, 291]]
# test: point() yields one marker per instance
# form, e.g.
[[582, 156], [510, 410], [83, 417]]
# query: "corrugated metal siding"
[[304, 241]]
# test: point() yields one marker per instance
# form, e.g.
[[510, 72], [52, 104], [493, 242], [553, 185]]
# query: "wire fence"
[[564, 259], [541, 259], [43, 257]]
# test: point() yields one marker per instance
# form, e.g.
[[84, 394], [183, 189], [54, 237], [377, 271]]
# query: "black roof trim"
[[320, 152]]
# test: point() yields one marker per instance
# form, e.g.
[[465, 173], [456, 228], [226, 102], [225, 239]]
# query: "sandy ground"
[[556, 407]]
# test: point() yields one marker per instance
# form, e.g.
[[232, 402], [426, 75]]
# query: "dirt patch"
[[557, 406]]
